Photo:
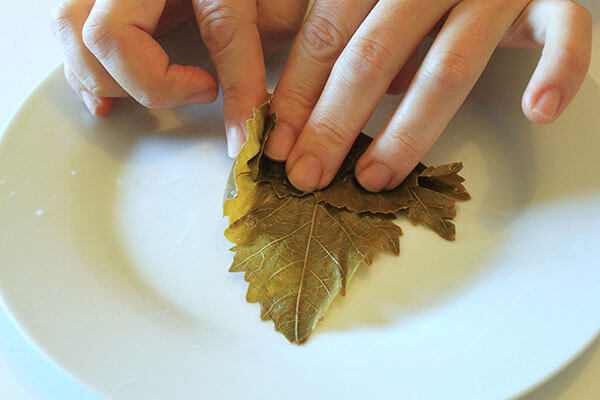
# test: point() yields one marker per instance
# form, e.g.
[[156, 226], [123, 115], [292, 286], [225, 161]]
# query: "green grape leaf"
[[298, 255], [299, 250]]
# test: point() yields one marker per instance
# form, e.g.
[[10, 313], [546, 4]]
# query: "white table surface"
[[29, 52]]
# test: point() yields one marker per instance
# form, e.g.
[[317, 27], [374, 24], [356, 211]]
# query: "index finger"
[[230, 31], [119, 34]]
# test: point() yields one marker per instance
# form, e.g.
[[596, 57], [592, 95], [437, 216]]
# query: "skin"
[[110, 52], [350, 52], [347, 55]]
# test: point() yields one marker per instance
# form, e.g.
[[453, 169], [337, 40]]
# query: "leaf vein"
[[310, 235]]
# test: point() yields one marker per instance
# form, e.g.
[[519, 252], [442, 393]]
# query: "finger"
[[229, 30], [565, 30], [119, 35], [357, 82], [97, 105], [322, 38], [279, 21], [67, 22], [403, 78], [448, 73]]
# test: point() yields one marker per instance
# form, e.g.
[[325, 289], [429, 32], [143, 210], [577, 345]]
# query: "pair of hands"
[[346, 56]]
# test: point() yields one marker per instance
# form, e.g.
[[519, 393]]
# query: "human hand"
[[349, 53], [110, 52]]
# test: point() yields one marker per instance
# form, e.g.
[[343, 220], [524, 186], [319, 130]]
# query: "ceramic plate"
[[113, 260]]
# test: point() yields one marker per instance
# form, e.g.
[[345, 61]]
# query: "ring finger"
[[451, 68]]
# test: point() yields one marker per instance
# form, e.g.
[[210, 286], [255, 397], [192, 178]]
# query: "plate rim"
[[59, 363]]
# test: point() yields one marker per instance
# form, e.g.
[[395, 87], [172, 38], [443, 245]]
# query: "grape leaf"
[[445, 179], [299, 254], [240, 192], [428, 194], [299, 250]]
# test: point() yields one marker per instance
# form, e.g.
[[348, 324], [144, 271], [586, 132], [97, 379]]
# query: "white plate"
[[113, 262]]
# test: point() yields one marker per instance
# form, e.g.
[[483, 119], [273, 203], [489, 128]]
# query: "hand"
[[350, 52], [110, 52]]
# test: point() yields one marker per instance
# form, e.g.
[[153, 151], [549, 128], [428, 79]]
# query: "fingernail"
[[548, 104], [202, 98], [375, 177], [235, 140], [280, 143], [306, 173], [90, 101]]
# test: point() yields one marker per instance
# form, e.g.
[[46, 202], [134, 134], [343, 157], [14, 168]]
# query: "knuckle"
[[217, 27], [451, 70], [98, 33], [232, 92], [370, 58], [295, 99], [62, 16], [322, 39], [329, 135], [406, 143]]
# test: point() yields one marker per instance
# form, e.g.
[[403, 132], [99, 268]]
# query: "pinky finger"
[[97, 105], [565, 30]]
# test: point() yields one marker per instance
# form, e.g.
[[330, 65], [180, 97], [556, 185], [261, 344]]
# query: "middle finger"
[[322, 38], [360, 77]]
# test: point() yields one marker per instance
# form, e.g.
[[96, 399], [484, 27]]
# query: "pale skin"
[[347, 55]]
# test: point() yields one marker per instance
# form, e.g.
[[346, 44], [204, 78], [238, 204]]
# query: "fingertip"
[[237, 108], [280, 142], [199, 85], [235, 140], [306, 173], [536, 119], [208, 96], [375, 177], [543, 107], [96, 105], [104, 106], [397, 179]]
